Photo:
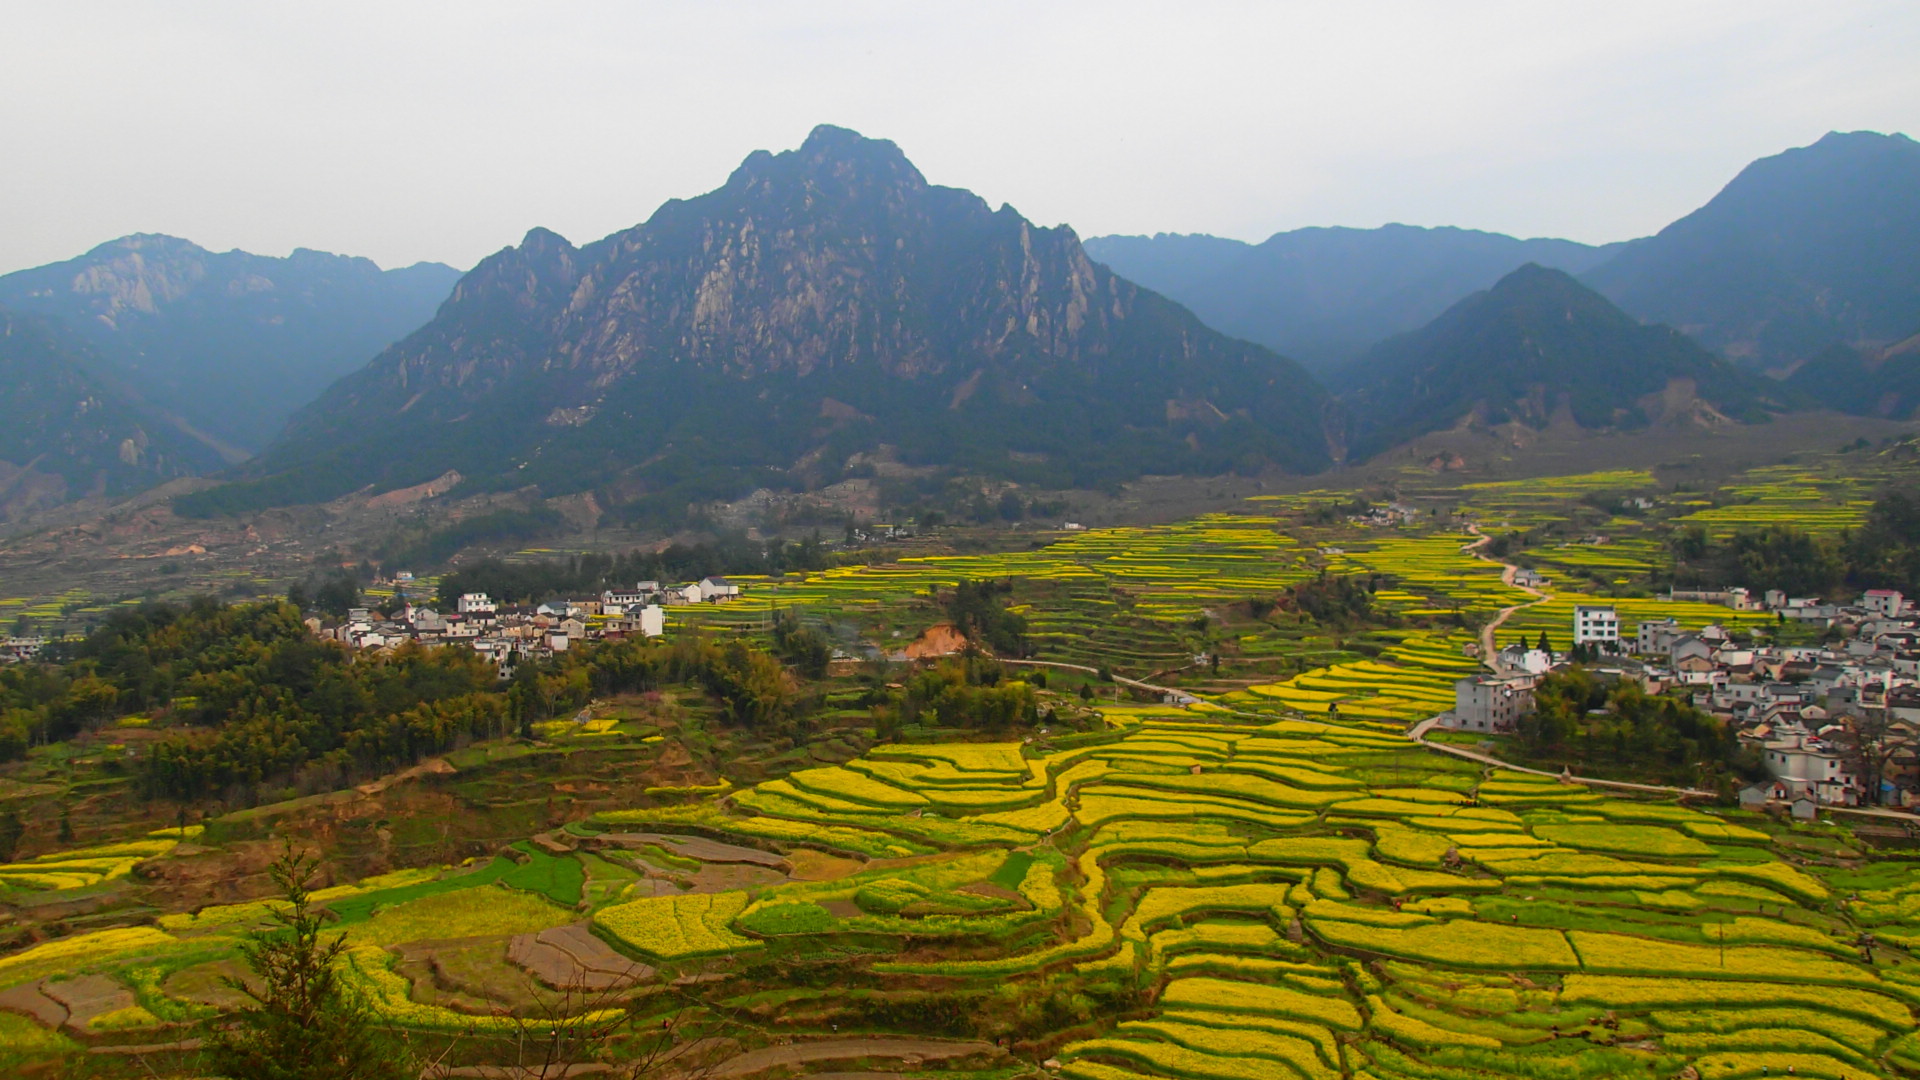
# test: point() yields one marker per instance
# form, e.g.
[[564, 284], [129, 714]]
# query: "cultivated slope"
[[825, 305]]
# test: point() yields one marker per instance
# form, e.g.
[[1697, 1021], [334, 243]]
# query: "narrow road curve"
[[1507, 571]]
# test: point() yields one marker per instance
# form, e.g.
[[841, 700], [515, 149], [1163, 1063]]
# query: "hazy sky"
[[413, 131]]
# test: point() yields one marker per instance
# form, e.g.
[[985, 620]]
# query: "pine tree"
[[1545, 646], [302, 1023]]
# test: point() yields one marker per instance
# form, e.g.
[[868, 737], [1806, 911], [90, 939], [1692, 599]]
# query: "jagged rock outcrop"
[[825, 305]]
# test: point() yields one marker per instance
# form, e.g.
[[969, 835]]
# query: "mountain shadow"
[[66, 433]]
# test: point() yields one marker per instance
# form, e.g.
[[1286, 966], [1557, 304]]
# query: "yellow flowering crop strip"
[[673, 928]]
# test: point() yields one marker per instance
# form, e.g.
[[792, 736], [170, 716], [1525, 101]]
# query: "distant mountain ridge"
[[823, 310], [1866, 382], [1814, 247], [230, 342], [1325, 295], [1535, 346], [66, 434]]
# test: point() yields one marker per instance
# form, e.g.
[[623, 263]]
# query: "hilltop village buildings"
[[1795, 705], [507, 634]]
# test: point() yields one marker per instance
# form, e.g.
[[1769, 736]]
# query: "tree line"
[[1580, 718], [251, 699], [590, 574], [1883, 553]]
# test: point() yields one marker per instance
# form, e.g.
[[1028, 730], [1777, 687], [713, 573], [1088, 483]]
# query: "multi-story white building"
[[1887, 602], [1655, 637], [1801, 759], [1594, 625], [1491, 703], [477, 603]]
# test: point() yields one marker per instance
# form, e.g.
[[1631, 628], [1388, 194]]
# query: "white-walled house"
[[715, 589], [1887, 602], [1801, 759], [1596, 625], [652, 620], [477, 603]]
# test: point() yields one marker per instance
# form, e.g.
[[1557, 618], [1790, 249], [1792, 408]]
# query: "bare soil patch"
[[572, 958]]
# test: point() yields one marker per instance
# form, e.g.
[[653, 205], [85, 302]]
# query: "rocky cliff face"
[[231, 343], [825, 303]]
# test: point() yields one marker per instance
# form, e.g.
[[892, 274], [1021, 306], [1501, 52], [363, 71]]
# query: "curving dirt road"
[[1487, 649]]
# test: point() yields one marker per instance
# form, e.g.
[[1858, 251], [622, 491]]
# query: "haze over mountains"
[[1807, 249], [230, 343], [825, 310], [1537, 347], [829, 315], [66, 435], [1804, 250], [1324, 296]]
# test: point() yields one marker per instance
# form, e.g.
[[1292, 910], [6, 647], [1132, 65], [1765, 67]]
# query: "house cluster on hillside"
[[1803, 708], [15, 649], [506, 634]]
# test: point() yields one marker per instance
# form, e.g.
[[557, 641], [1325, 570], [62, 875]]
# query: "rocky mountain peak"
[[695, 353]]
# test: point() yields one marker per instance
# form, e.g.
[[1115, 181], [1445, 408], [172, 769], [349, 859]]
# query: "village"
[[1830, 721], [509, 634]]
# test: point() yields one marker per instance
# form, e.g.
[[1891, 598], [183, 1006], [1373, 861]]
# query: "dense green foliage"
[[1334, 599], [1883, 553], [252, 699], [973, 692], [588, 575], [1579, 717], [979, 610], [806, 648]]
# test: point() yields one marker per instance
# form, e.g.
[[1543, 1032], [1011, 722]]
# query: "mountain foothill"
[[827, 314]]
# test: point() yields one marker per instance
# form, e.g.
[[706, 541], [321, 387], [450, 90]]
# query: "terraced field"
[[1273, 883], [1278, 899]]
